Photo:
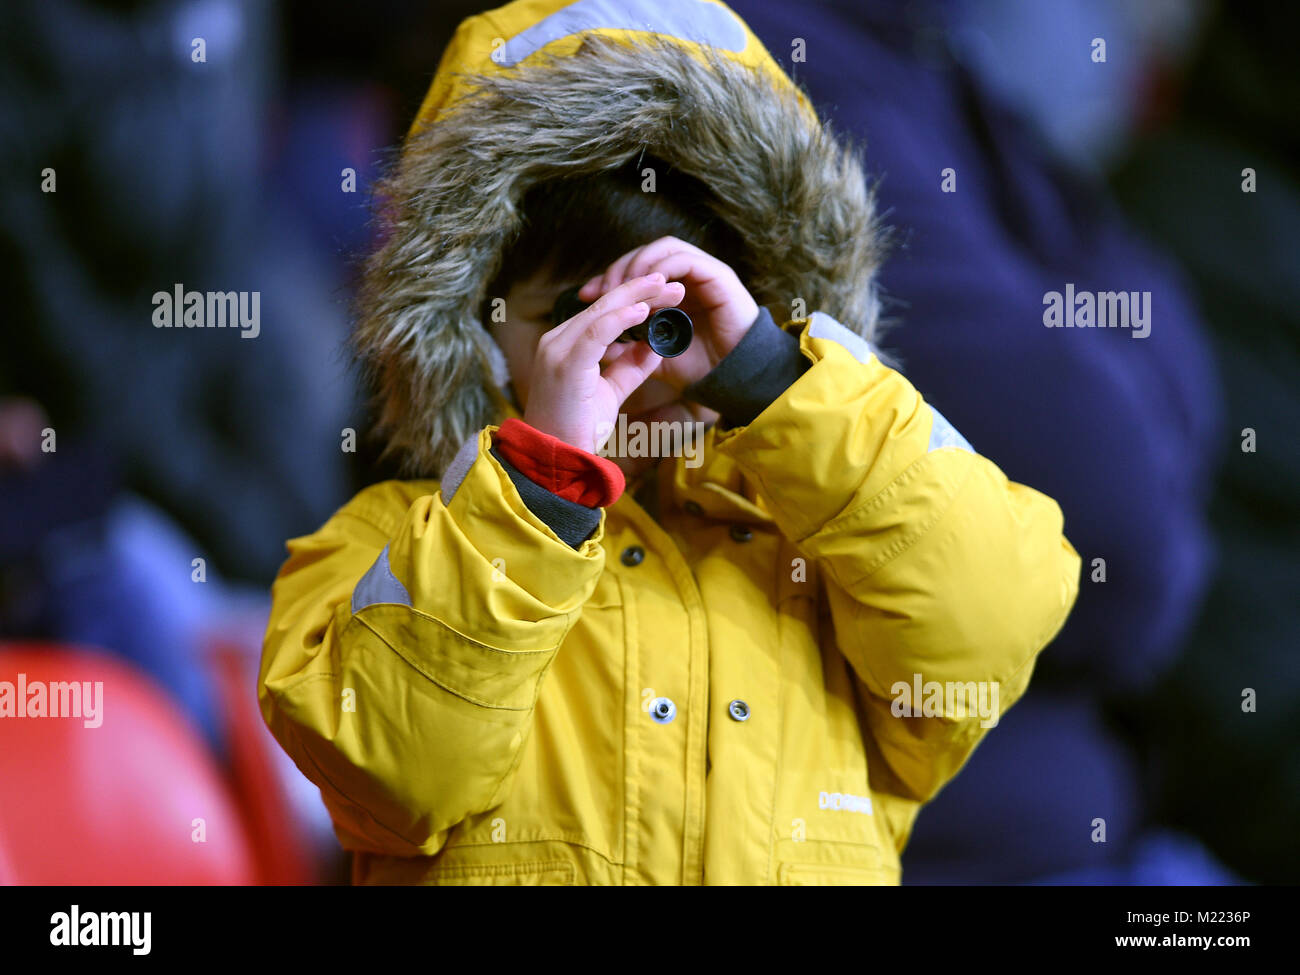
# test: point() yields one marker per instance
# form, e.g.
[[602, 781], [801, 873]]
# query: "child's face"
[[528, 316]]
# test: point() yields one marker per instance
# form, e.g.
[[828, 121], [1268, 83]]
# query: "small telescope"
[[668, 331]]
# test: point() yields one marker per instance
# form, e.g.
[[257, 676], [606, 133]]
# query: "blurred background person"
[[1215, 180], [137, 141], [991, 215]]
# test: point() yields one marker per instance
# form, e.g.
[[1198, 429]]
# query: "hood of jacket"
[[540, 89]]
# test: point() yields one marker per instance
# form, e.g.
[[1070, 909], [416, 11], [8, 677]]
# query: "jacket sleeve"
[[406, 647], [935, 566]]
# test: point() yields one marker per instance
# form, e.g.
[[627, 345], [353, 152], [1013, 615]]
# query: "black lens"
[[668, 331]]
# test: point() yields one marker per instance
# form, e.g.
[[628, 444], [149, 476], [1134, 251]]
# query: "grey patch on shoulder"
[[825, 327], [944, 434], [379, 585], [458, 468]]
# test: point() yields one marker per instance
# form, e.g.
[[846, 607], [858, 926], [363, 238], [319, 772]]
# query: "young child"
[[530, 664]]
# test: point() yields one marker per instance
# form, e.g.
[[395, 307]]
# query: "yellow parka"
[[754, 686]]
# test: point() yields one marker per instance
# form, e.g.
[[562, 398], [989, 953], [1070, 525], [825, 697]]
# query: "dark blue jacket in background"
[[1121, 431]]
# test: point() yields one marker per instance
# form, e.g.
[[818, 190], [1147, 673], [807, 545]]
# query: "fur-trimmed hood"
[[543, 88]]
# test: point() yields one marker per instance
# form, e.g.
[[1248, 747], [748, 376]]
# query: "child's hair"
[[575, 227]]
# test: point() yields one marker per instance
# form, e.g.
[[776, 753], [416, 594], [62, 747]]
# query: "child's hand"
[[570, 398], [719, 305]]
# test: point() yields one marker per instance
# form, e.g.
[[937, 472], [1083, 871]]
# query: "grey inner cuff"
[[762, 366], [573, 522]]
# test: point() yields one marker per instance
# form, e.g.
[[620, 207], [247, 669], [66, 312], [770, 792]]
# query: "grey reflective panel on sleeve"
[[944, 434], [458, 468], [825, 327], [379, 585], [690, 20]]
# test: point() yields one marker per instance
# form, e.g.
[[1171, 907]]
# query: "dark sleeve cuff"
[[573, 522], [762, 366]]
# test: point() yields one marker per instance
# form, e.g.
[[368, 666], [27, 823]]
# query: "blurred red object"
[[274, 830], [138, 800]]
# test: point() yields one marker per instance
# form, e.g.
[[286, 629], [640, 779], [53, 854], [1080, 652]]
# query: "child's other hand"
[[720, 307], [570, 397]]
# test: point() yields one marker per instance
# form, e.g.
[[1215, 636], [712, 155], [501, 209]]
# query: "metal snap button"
[[740, 533], [738, 710], [693, 507], [663, 710], [633, 555]]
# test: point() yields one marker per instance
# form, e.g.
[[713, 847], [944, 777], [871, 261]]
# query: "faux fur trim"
[[794, 191]]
